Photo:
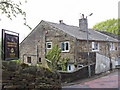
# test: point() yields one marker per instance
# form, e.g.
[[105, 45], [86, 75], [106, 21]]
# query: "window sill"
[[29, 64], [65, 51], [49, 48], [113, 50]]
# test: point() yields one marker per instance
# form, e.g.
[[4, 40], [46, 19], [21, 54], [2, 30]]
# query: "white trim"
[[47, 45], [93, 46], [70, 67], [65, 46], [112, 46], [79, 66]]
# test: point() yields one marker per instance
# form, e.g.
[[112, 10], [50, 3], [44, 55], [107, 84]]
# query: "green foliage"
[[18, 61], [54, 56], [12, 9], [110, 25], [24, 65], [63, 63]]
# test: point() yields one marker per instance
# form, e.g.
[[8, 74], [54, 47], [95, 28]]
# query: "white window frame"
[[112, 46], [70, 67], [65, 46], [93, 46], [47, 45], [79, 66]]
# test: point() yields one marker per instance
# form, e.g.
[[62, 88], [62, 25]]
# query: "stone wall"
[[83, 57], [34, 45], [34, 42], [103, 48], [22, 76], [77, 75], [57, 37]]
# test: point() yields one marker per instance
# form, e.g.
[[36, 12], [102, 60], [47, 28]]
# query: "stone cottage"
[[71, 39]]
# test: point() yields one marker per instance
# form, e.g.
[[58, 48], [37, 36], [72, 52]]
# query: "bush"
[[18, 61]]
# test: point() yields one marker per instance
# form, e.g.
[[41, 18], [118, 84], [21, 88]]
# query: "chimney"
[[61, 21], [83, 23]]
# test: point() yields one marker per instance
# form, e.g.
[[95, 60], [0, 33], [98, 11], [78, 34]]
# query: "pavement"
[[108, 79]]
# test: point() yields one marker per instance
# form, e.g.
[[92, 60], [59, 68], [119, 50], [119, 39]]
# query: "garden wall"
[[77, 75], [15, 75]]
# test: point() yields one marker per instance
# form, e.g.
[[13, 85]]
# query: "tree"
[[54, 56], [11, 9], [56, 61], [110, 25]]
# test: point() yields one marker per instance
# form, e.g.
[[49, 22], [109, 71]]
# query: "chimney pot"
[[61, 21]]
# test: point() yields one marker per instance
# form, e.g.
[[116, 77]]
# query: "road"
[[109, 81]]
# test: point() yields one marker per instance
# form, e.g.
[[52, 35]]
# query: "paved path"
[[109, 81]]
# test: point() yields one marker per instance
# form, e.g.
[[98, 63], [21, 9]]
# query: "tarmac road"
[[111, 80]]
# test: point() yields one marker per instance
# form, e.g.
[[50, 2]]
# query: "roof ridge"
[[63, 24], [76, 32]]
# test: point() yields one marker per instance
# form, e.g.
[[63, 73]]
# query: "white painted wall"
[[102, 63]]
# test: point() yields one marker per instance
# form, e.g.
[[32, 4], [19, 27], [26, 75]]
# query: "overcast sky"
[[66, 10]]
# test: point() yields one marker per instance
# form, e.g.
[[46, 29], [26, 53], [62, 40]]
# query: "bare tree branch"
[[11, 9]]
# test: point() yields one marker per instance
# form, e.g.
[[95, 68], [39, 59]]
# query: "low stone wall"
[[83, 56], [23, 76], [77, 75]]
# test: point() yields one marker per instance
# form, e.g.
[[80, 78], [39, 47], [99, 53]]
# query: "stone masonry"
[[34, 45], [16, 76]]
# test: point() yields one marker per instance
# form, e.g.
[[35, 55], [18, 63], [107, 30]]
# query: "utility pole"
[[109, 54], [88, 51], [89, 68]]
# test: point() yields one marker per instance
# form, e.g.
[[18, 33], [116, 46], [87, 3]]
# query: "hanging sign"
[[10, 45]]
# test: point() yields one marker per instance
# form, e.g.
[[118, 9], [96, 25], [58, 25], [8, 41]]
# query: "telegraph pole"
[[88, 51], [89, 68]]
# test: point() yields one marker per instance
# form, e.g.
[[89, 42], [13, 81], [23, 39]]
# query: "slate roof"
[[81, 34], [110, 34]]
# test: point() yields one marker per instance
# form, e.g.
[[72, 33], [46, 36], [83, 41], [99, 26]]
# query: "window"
[[28, 59], [112, 47], [119, 44], [39, 60], [80, 66], [95, 46], [69, 67], [59, 67], [65, 46], [49, 45]]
